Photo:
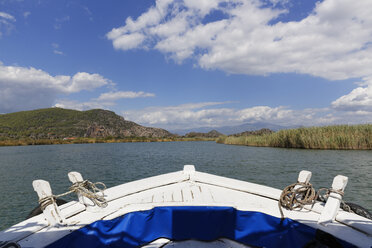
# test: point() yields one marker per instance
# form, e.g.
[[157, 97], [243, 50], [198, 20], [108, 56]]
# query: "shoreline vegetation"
[[338, 137], [26, 142], [65, 126]]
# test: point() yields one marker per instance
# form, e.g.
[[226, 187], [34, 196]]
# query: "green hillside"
[[57, 123]]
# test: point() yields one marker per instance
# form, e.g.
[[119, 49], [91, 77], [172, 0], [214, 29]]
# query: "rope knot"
[[340, 192], [46, 201], [91, 191]]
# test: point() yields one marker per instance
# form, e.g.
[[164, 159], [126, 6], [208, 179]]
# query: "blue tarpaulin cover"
[[191, 222]]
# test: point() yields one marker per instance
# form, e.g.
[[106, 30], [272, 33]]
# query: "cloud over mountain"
[[213, 115], [29, 88]]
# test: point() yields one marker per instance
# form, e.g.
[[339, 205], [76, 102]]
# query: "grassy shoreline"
[[339, 137], [25, 142]]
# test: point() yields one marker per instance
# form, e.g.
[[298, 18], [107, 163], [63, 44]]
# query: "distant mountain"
[[228, 130], [53, 123], [211, 134], [259, 132]]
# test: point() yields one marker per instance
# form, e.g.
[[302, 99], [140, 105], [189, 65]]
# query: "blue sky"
[[191, 63]]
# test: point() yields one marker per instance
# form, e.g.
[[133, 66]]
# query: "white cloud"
[[116, 95], [26, 14], [264, 113], [7, 16], [6, 23], [174, 116], [56, 49], [86, 81], [59, 21], [23, 88], [104, 101], [358, 100], [88, 13], [201, 114], [63, 19], [206, 114], [72, 104], [129, 41], [29, 88], [279, 2], [31, 77], [333, 42]]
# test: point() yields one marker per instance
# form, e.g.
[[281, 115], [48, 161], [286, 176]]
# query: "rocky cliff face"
[[101, 131], [60, 123]]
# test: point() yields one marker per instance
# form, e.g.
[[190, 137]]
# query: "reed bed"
[[348, 137]]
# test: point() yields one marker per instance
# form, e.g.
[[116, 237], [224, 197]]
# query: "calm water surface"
[[114, 164]]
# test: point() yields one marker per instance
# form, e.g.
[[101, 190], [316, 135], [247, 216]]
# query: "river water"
[[118, 163]]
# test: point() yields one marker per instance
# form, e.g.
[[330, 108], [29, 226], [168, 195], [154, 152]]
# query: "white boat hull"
[[192, 189]]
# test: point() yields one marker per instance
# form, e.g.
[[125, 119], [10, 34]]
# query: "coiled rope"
[[297, 195], [84, 188], [293, 197]]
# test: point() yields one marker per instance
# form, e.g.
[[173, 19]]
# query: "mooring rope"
[[44, 202], [84, 188], [91, 191], [293, 197]]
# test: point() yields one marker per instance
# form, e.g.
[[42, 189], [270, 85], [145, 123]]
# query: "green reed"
[[326, 137]]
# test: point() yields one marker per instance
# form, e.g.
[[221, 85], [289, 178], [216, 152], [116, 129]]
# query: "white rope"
[[91, 191], [84, 188]]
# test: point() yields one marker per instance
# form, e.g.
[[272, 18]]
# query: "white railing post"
[[50, 208], [76, 177], [334, 200], [189, 170], [304, 176]]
